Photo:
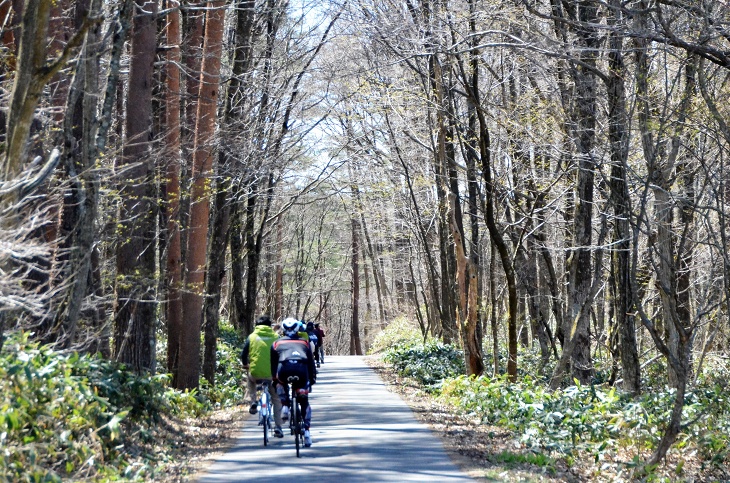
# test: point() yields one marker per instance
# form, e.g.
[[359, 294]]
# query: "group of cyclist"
[[274, 355]]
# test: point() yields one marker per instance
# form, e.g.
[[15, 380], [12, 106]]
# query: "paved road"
[[360, 432]]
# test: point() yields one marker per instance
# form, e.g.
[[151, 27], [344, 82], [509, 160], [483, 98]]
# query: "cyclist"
[[256, 358], [320, 347], [291, 356], [314, 340]]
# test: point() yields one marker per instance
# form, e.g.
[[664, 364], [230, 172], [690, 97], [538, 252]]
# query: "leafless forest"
[[505, 174]]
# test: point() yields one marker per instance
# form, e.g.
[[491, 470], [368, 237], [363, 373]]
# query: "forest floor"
[[486, 453]]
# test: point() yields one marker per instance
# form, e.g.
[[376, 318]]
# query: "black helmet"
[[310, 325], [264, 320]]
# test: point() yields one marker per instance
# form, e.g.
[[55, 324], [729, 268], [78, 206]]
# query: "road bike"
[[296, 419], [265, 410]]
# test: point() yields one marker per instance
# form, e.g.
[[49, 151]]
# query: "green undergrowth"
[[595, 421], [430, 362], [591, 419], [228, 389], [71, 417]]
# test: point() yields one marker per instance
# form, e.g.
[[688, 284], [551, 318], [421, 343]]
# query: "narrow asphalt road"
[[360, 432]]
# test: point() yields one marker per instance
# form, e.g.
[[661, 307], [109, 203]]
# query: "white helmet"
[[290, 326]]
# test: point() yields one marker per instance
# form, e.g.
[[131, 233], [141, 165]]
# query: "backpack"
[[313, 338]]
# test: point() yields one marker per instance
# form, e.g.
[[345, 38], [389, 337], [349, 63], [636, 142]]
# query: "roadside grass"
[[509, 459], [596, 426], [71, 417]]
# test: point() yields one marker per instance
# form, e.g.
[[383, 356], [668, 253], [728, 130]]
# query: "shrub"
[[429, 363], [229, 374], [78, 417], [594, 419]]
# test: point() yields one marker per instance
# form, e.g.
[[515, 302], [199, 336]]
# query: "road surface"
[[360, 431]]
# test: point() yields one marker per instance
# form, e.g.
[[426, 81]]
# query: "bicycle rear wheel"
[[266, 431], [296, 419], [264, 415]]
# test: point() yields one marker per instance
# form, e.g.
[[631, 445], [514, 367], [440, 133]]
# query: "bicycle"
[[296, 423], [265, 411]]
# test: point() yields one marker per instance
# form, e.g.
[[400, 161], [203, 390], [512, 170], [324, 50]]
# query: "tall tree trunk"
[[355, 345], [238, 302], [253, 243], [252, 260], [466, 281], [173, 158], [279, 271], [497, 238], [77, 230], [577, 347], [27, 88], [493, 320], [134, 330], [620, 200], [189, 360], [216, 270], [442, 161], [193, 34]]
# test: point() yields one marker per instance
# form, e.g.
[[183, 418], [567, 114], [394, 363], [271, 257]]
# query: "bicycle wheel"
[[266, 430], [295, 416]]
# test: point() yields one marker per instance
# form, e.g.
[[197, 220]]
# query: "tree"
[[134, 314], [173, 118], [189, 358]]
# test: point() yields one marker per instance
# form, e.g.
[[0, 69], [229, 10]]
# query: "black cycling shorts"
[[296, 368]]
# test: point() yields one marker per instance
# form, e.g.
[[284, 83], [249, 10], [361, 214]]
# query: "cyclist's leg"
[[250, 396], [282, 390], [276, 402], [306, 411]]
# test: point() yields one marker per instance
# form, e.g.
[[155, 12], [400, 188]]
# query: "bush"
[[78, 417], [594, 419], [229, 374], [429, 363]]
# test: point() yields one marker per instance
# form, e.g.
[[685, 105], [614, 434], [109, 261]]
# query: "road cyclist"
[[313, 340], [320, 346], [292, 364], [256, 358]]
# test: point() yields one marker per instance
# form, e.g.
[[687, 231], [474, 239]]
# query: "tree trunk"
[[27, 88], [173, 120], [279, 276], [355, 345], [238, 302], [466, 281], [252, 259], [443, 157], [577, 347], [189, 360], [81, 199], [493, 320], [216, 270], [134, 330], [620, 200]]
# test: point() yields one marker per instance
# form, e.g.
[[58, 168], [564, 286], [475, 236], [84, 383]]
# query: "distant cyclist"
[[314, 340], [320, 347], [291, 356], [256, 358]]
